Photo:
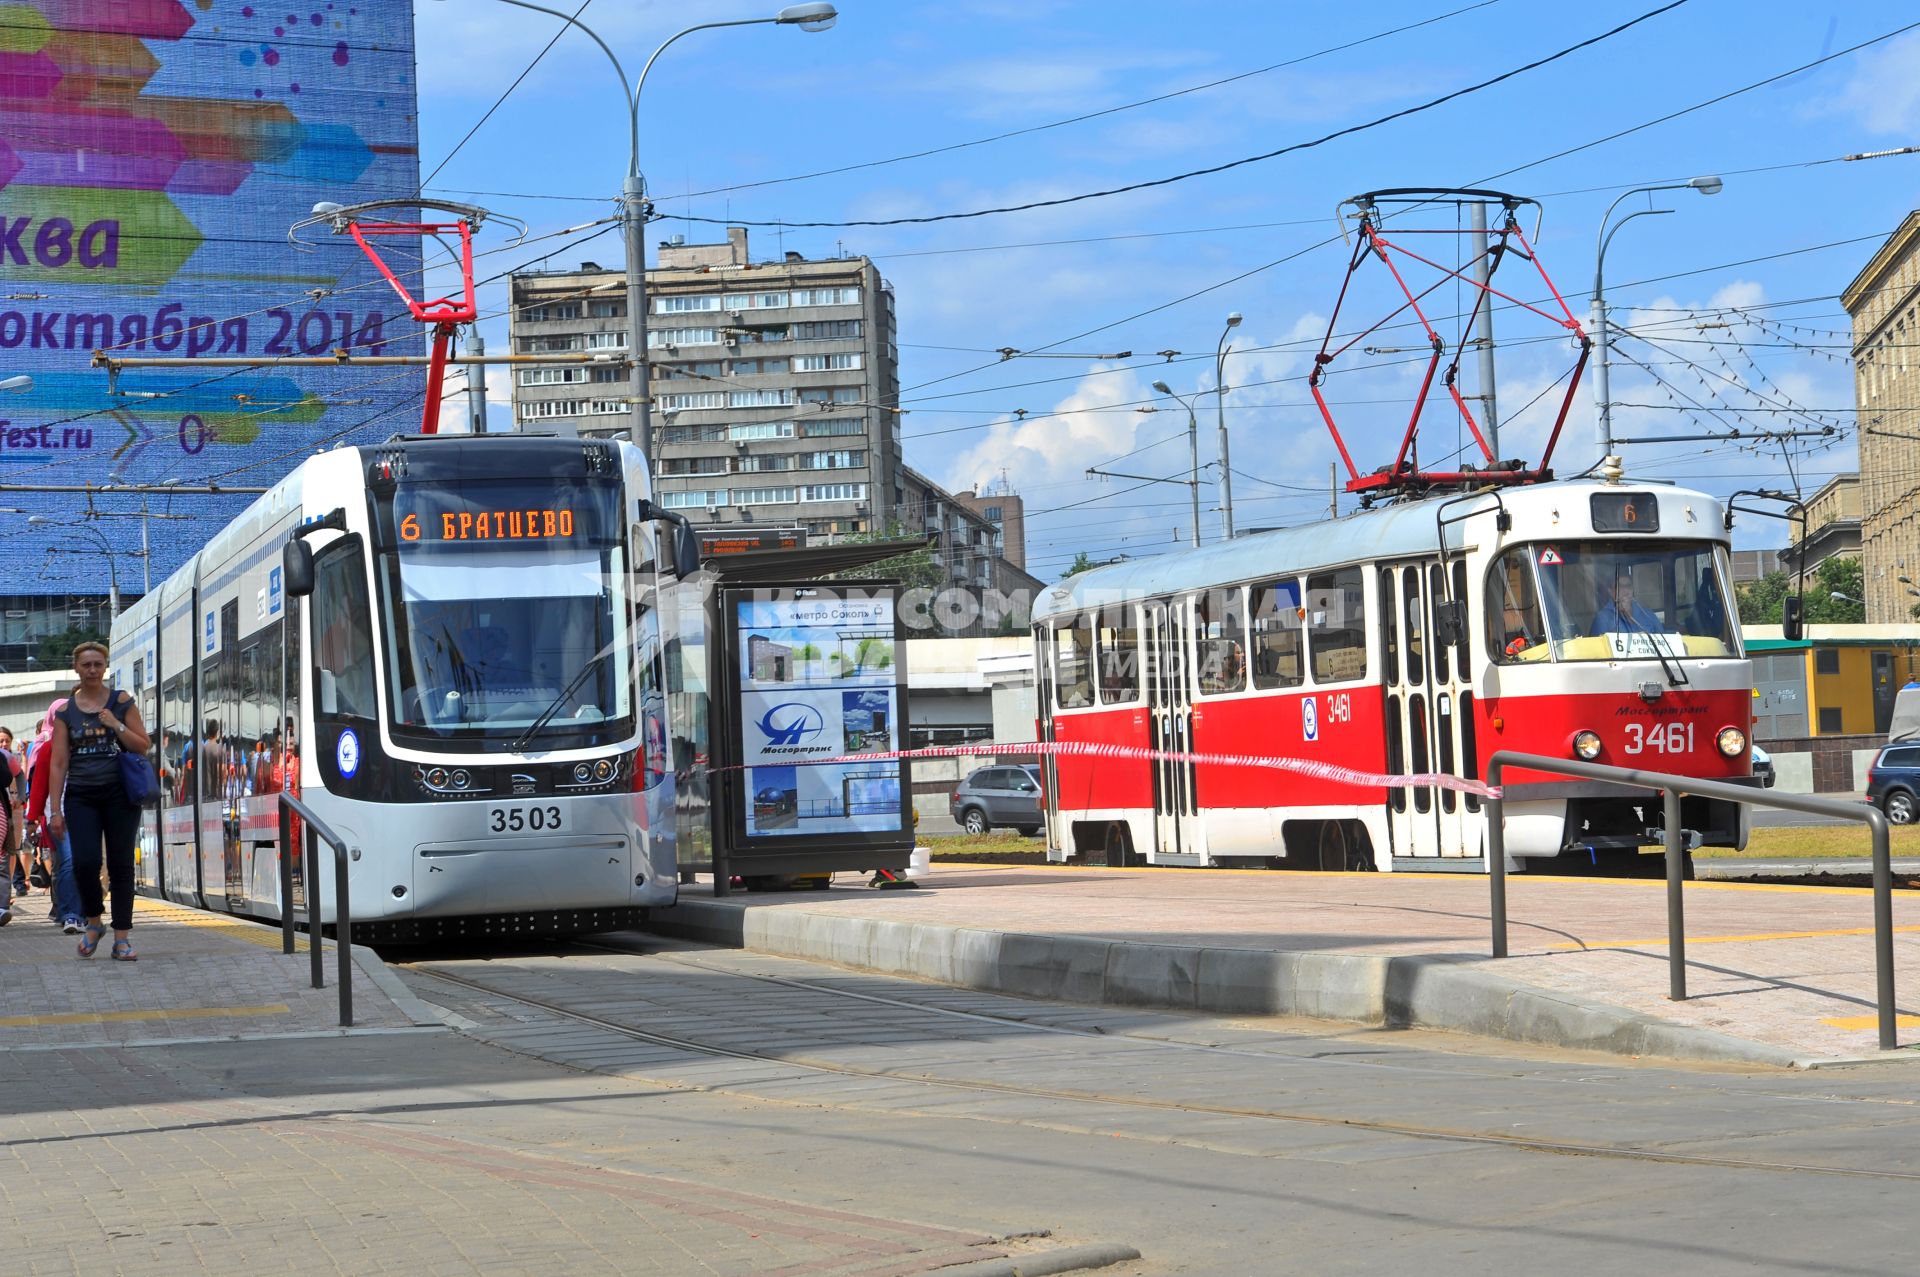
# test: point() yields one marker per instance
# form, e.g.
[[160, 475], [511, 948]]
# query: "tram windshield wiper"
[[546, 715], [1676, 674]]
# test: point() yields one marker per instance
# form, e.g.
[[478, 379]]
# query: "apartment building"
[[986, 592], [1884, 303], [772, 382], [1004, 509]]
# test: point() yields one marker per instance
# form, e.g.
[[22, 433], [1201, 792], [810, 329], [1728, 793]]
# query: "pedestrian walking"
[[17, 853], [89, 800], [57, 852], [10, 814]]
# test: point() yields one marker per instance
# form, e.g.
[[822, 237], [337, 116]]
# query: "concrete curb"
[[417, 1010], [1436, 992]]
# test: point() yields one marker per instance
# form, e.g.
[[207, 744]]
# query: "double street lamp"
[[1604, 405], [106, 548], [633, 194]]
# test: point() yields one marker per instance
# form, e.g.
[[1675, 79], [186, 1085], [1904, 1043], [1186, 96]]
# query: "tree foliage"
[[1760, 601], [56, 650], [1080, 564], [914, 570]]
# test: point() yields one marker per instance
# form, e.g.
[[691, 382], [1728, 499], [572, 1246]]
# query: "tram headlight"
[[582, 773], [1732, 741], [437, 778], [1586, 745], [603, 770], [460, 778]]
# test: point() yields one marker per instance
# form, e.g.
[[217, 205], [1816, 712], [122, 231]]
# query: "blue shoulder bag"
[[136, 775]]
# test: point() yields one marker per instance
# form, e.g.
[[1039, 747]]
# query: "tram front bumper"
[[1550, 818]]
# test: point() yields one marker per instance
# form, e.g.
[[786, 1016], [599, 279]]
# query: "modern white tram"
[[1577, 619], [448, 647]]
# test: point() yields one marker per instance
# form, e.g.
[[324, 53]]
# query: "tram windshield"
[[1609, 601], [502, 600]]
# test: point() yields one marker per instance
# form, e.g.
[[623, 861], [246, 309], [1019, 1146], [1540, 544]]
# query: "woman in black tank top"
[[86, 799]]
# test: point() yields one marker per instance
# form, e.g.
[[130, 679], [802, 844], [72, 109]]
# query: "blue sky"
[[1159, 269]]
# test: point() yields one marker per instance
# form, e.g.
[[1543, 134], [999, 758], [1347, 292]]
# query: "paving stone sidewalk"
[[199, 975]]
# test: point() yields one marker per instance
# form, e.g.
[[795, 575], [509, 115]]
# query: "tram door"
[[1170, 713], [1423, 711]]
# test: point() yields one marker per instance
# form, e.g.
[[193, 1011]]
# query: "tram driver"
[[1620, 614]]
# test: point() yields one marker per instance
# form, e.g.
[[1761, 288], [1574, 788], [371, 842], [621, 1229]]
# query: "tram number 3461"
[[512, 820], [1659, 738]]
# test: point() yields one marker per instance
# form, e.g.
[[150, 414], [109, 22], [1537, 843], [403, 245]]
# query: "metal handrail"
[[1672, 788], [343, 914]]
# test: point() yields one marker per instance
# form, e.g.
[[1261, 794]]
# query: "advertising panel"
[[152, 157], [818, 678]]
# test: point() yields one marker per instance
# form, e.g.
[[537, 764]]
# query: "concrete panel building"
[[1884, 303], [1004, 509], [772, 381]]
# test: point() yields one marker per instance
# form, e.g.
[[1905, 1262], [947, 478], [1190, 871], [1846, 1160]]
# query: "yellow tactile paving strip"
[[124, 1017], [267, 937], [200, 975], [1737, 939]]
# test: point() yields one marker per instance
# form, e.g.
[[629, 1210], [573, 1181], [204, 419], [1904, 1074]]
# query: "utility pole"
[[1333, 487], [476, 386], [633, 217], [1483, 326]]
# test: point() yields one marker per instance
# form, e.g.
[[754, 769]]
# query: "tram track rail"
[[981, 1086]]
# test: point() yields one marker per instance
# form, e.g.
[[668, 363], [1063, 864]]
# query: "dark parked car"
[[998, 796], [1893, 781]]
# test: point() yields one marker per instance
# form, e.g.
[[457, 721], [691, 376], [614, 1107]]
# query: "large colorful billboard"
[[153, 154]]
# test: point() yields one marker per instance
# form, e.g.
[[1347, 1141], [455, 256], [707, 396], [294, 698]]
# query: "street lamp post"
[[1220, 404], [1193, 449], [633, 192], [1602, 403]]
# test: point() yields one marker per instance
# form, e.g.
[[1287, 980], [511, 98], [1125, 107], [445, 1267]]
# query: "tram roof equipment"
[[1372, 209]]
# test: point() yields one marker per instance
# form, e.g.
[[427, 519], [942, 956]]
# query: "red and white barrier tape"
[[1090, 749]]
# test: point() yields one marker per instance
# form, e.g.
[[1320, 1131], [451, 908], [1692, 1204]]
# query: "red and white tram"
[[1587, 619]]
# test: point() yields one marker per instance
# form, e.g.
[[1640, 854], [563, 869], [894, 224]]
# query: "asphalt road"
[[1209, 1145]]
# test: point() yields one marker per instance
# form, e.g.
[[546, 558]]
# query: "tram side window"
[[1337, 625], [176, 733], [1278, 637], [343, 673], [1073, 664], [1220, 640], [1117, 644], [1515, 632]]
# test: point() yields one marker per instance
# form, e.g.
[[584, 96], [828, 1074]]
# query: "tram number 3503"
[[1659, 738], [513, 820]]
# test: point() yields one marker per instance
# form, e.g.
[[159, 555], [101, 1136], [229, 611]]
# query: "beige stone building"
[[1833, 526], [1884, 302]]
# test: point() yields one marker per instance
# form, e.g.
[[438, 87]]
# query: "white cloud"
[[1883, 93], [1094, 422], [1036, 85]]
